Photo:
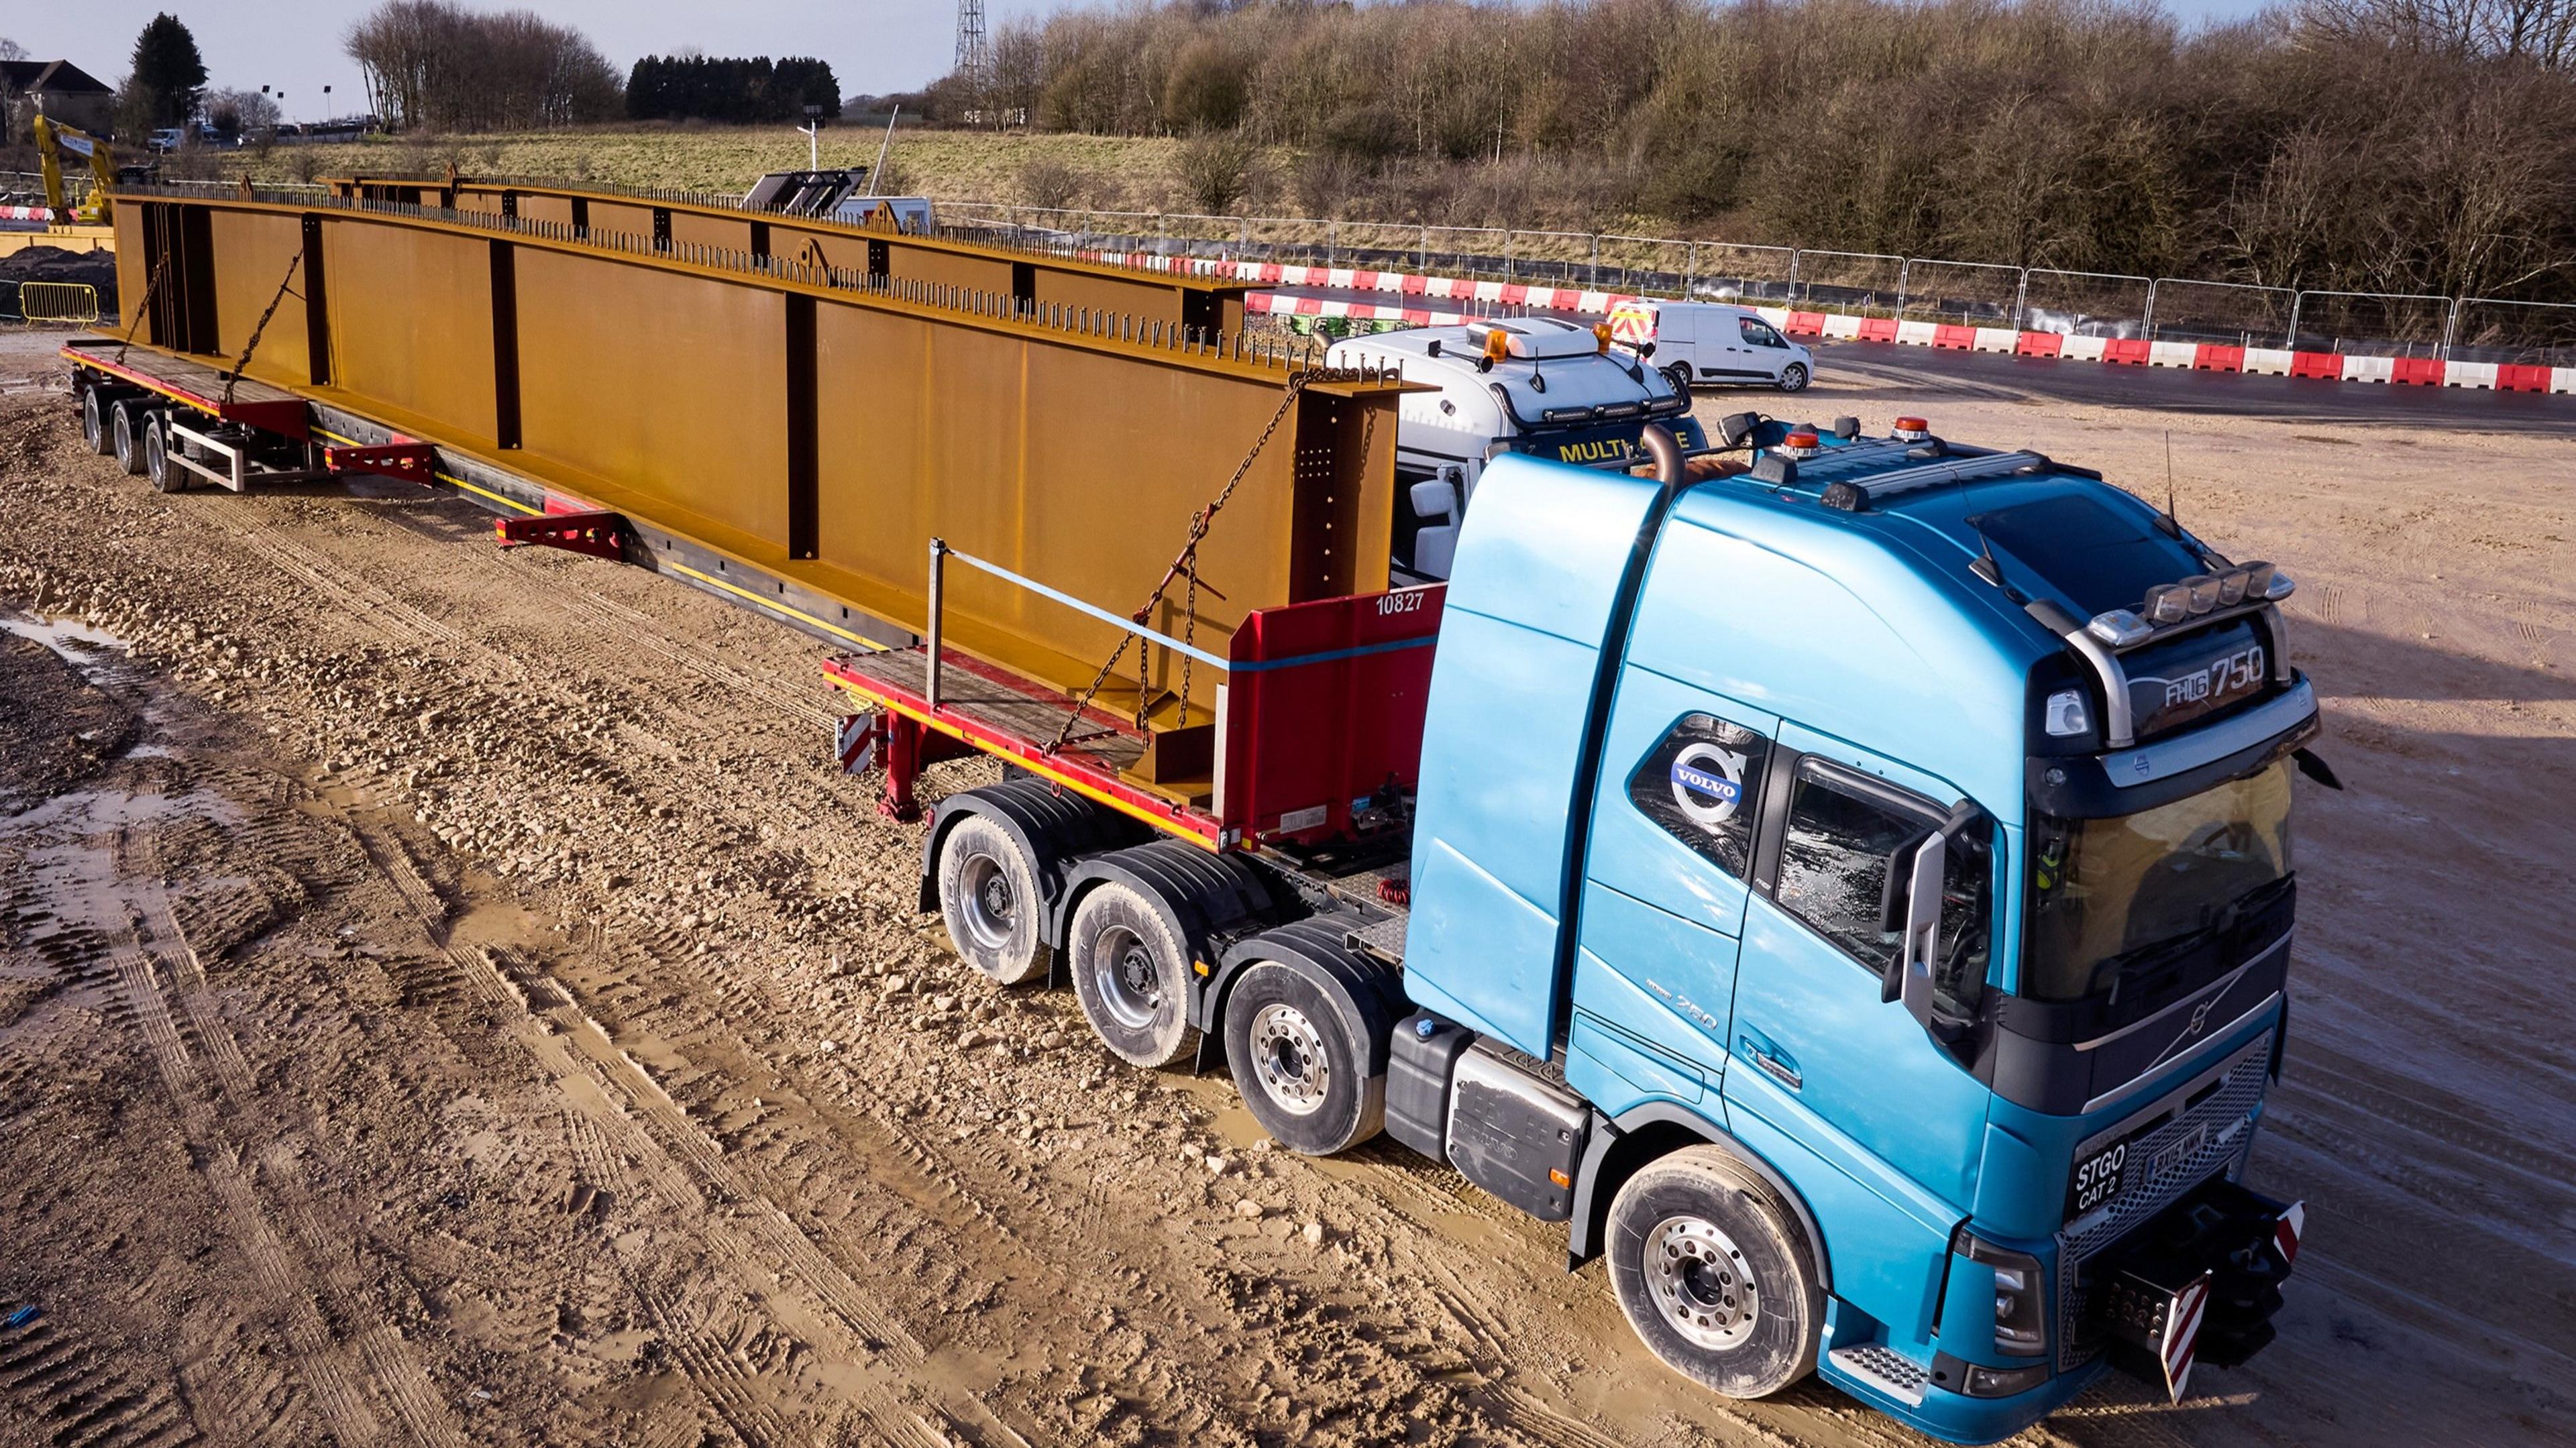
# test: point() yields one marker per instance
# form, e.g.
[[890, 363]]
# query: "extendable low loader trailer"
[[1845, 879]]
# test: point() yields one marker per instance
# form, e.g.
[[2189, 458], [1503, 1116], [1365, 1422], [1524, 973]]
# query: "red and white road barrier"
[[1842, 326], [25, 213]]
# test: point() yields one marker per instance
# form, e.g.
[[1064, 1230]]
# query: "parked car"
[[1711, 343]]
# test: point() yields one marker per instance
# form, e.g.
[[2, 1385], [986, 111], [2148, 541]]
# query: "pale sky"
[[875, 46]]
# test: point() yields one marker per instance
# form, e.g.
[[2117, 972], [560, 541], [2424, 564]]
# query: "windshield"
[[2103, 890]]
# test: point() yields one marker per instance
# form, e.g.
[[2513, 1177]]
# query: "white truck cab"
[[1533, 385], [1710, 344]]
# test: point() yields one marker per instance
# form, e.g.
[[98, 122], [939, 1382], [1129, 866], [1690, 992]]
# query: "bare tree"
[[431, 64]]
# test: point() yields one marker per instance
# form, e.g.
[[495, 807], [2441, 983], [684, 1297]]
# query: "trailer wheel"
[[94, 423], [988, 897], [1679, 375], [156, 456], [1131, 975], [125, 426], [1713, 1274], [1306, 1081]]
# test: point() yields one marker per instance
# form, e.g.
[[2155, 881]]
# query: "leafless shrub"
[[1048, 182]]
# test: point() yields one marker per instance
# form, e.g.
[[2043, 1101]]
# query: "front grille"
[[2220, 1100]]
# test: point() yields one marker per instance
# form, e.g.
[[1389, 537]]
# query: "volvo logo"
[[2199, 1017]]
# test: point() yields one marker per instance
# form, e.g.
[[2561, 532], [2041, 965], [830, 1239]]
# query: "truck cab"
[[1535, 386], [1925, 883], [1710, 344]]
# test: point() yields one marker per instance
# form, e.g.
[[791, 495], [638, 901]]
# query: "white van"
[[1711, 344]]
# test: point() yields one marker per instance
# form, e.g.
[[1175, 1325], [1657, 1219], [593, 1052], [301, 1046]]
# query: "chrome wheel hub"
[[1290, 1056], [1700, 1282]]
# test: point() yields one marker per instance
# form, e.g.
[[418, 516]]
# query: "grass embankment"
[[967, 165]]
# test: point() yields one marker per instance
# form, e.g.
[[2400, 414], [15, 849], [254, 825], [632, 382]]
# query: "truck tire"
[[1301, 1074], [166, 476], [125, 427], [94, 423], [1131, 975], [1714, 1275], [1793, 378], [989, 900], [1679, 375]]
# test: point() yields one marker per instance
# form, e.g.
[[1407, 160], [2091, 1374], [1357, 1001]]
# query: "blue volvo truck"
[[1847, 880]]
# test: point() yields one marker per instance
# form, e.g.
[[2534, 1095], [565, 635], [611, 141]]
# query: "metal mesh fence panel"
[[1973, 294], [1722, 271], [1643, 264], [1470, 251], [1379, 246], [1551, 258], [2085, 304], [2371, 324], [2227, 314], [2526, 334], [1291, 240], [1858, 279]]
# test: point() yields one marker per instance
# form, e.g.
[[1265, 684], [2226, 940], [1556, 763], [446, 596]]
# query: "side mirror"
[[1917, 915], [1646, 350]]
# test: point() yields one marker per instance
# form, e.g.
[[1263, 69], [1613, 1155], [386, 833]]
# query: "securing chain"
[[261, 327], [1185, 564]]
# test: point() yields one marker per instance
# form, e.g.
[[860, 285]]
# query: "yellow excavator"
[[55, 137]]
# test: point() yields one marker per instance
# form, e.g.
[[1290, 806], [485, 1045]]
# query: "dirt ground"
[[445, 998]]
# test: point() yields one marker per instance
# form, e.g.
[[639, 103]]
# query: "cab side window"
[[1700, 783], [1758, 333], [1835, 851]]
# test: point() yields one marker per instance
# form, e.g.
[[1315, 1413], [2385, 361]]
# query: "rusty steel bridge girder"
[[816, 425]]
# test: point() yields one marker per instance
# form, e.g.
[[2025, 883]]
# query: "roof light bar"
[[1800, 444], [1912, 429]]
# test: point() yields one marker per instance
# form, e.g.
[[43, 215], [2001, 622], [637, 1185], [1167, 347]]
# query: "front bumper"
[[2198, 1283]]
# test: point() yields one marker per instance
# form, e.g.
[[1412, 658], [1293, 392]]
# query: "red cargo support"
[[2039, 344], [2135, 351], [1323, 707], [1878, 329], [405, 459], [600, 535], [2213, 358], [2328, 365], [1954, 338], [2417, 371], [2521, 377], [1805, 324]]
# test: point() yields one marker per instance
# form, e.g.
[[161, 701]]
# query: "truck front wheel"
[[1714, 1275], [1131, 975], [988, 898], [1302, 1075]]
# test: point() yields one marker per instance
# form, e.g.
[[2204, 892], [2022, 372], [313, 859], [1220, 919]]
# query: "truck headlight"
[[2021, 1316]]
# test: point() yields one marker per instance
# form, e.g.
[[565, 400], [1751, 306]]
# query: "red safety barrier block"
[[1812, 324], [2517, 377], [2417, 371], [2132, 350], [1515, 294], [1878, 329], [2039, 344], [2328, 365], [1957, 339], [1415, 284], [2210, 357], [1366, 281]]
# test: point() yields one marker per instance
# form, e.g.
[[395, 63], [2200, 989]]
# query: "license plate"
[[2097, 1179]]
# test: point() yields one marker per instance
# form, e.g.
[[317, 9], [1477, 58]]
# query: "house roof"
[[58, 76]]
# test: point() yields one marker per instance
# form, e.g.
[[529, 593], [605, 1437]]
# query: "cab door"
[[1827, 1070], [1670, 850]]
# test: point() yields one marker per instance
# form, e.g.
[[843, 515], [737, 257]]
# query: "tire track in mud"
[[60, 1386], [621, 1108], [336, 1383]]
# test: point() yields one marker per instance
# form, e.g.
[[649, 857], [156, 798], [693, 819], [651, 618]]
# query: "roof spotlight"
[[2204, 591], [2168, 603], [2231, 588]]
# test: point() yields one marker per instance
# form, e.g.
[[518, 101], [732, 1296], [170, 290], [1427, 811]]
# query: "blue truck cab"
[[1855, 894]]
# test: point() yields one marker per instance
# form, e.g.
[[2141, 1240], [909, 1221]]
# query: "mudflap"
[[2200, 1283]]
